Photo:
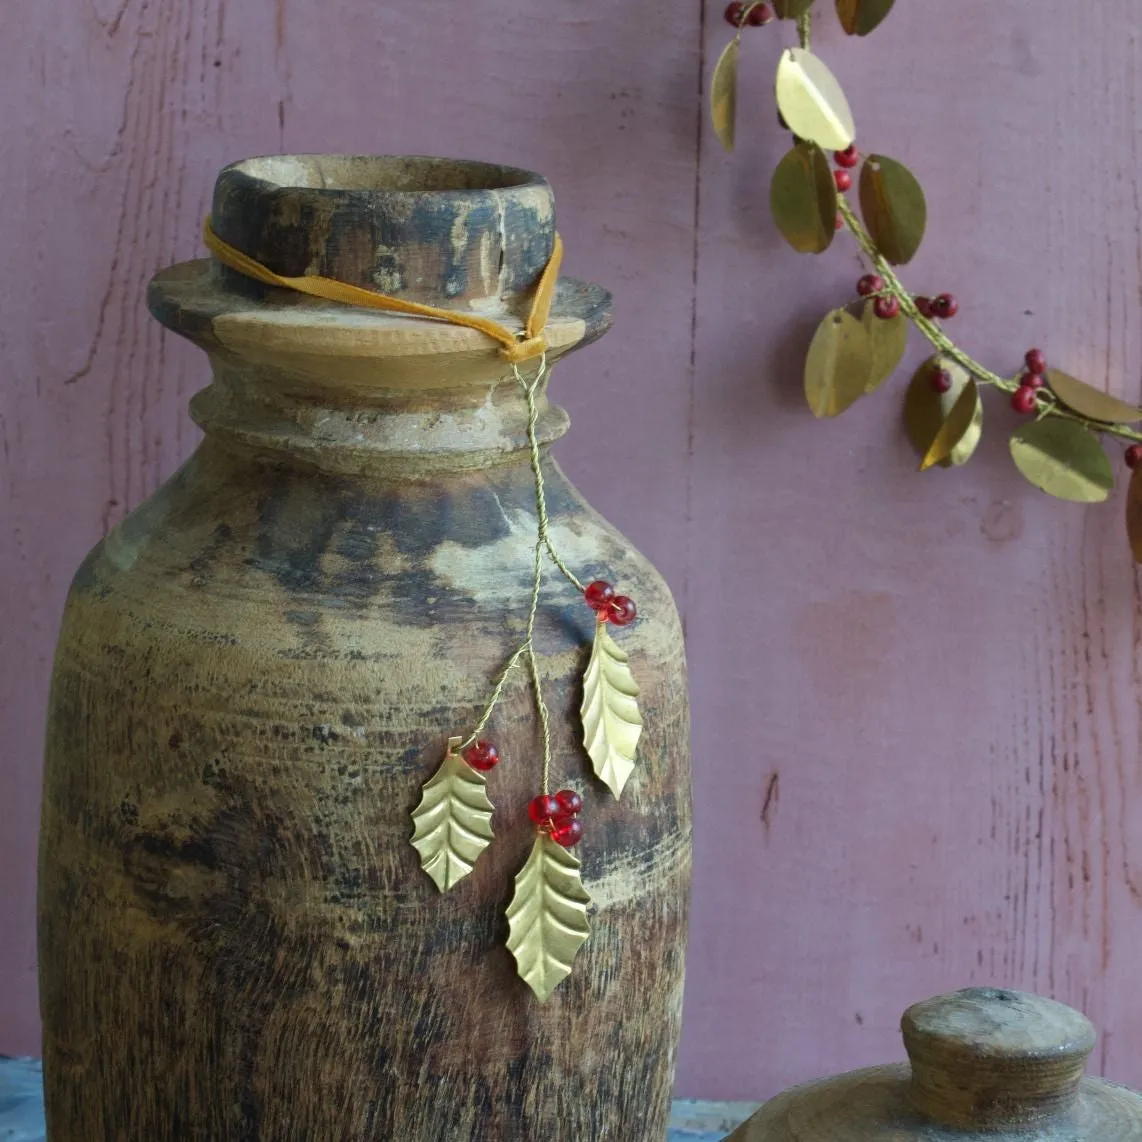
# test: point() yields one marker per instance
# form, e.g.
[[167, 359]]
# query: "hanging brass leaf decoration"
[[1064, 459], [803, 199], [926, 412], [453, 822], [792, 9], [547, 918], [724, 94], [837, 366], [894, 208], [811, 101], [1091, 402], [611, 719], [887, 341], [1134, 514], [859, 17]]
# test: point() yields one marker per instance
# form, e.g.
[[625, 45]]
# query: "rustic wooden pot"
[[985, 1063], [260, 666]]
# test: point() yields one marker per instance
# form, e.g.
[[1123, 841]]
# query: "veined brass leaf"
[[803, 199], [611, 719], [838, 364], [1134, 514], [887, 341], [792, 9], [453, 822], [547, 918], [926, 411], [724, 93], [1064, 459], [894, 208], [956, 427], [811, 101], [859, 17], [1091, 402]]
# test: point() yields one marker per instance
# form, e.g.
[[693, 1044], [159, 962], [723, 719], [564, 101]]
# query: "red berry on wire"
[[869, 284], [840, 222], [1036, 361], [941, 381], [1033, 381], [945, 306], [886, 308], [569, 801], [924, 306], [848, 158], [1134, 456], [599, 594], [542, 809], [482, 756], [1023, 400], [623, 612], [568, 833], [844, 181], [759, 16], [734, 13]]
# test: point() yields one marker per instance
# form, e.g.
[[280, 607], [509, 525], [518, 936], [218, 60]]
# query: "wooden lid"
[[1002, 1063]]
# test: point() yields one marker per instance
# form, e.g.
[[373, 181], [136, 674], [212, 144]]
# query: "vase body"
[[257, 671]]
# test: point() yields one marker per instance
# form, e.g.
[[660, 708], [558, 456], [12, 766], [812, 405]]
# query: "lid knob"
[[985, 1057]]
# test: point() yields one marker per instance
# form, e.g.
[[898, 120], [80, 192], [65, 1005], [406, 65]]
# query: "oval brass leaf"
[[887, 341], [1091, 402], [792, 9], [926, 411], [811, 101], [894, 208], [803, 199], [836, 369], [859, 17], [1134, 514], [966, 414], [724, 94], [1064, 459]]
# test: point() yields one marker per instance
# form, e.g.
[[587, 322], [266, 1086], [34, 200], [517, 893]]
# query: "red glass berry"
[[569, 801], [542, 809], [886, 308], [1134, 455], [941, 381], [869, 284], [1033, 381], [734, 13], [1036, 361], [623, 612], [924, 306], [1023, 400], [844, 180], [945, 306], [568, 833], [847, 158], [482, 756], [760, 15], [840, 222], [599, 594]]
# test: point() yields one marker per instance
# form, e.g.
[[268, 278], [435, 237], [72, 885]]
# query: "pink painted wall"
[[931, 681]]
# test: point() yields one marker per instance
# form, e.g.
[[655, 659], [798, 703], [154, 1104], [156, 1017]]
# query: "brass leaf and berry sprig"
[[452, 824], [1060, 446]]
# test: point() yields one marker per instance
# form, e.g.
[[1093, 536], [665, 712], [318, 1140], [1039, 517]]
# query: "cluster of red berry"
[[611, 608], [754, 15], [885, 306], [1024, 400], [558, 816]]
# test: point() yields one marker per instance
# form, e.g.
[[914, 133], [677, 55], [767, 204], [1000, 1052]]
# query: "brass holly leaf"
[[838, 365], [1091, 402], [803, 199], [724, 93], [453, 822], [927, 411], [612, 723], [547, 917], [812, 102], [894, 208], [859, 17], [1064, 460]]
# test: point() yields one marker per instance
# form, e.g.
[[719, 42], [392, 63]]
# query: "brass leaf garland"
[[453, 821], [612, 723], [803, 199], [812, 102], [1091, 402], [724, 94], [1064, 459], [860, 17], [894, 208], [547, 918], [838, 366]]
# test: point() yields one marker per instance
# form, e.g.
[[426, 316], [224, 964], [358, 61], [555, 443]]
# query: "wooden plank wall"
[[916, 715]]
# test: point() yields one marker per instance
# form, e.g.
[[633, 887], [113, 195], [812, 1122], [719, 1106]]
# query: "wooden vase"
[[261, 665], [985, 1063]]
